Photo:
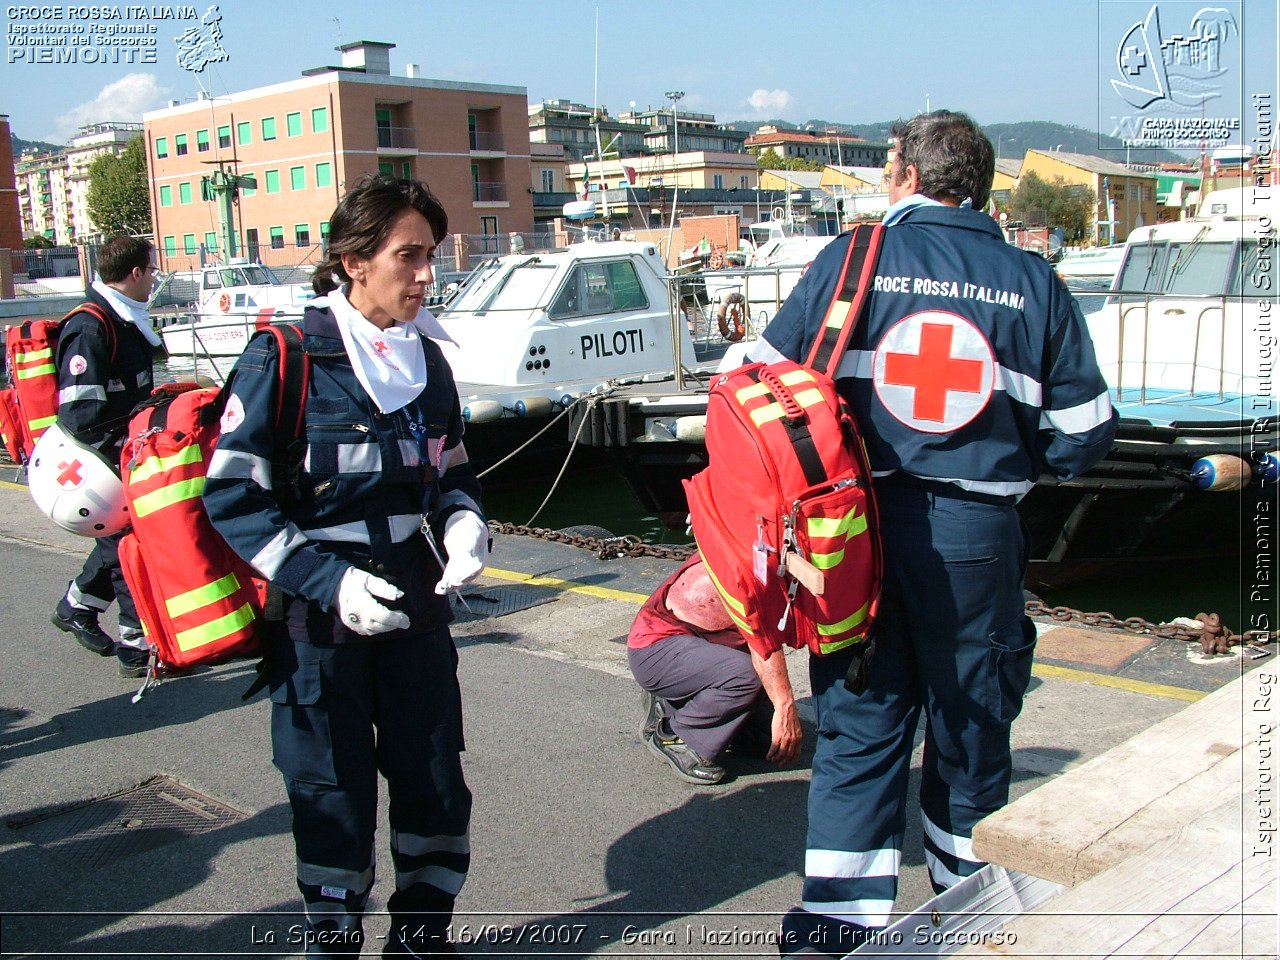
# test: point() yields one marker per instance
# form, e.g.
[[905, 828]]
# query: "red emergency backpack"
[[784, 515], [30, 404], [198, 601]]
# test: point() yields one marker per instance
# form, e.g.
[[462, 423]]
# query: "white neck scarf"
[[390, 364], [133, 311]]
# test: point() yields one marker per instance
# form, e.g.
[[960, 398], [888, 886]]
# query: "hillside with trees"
[[1014, 139]]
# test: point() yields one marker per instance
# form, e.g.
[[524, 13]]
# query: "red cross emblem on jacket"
[[934, 371]]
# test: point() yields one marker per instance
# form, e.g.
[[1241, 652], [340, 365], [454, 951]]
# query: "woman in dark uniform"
[[364, 679]]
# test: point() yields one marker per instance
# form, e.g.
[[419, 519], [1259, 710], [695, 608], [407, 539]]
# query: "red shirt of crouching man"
[[702, 682]]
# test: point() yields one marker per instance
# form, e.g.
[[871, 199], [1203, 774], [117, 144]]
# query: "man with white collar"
[[102, 374]]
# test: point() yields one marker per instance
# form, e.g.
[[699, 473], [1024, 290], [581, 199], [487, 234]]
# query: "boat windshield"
[[1186, 267], [522, 286], [240, 276]]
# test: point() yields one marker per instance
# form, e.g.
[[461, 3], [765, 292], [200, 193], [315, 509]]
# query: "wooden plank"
[[1074, 826], [1197, 893]]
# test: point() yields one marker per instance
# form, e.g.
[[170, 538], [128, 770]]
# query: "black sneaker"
[[133, 662], [684, 760], [83, 625], [655, 708]]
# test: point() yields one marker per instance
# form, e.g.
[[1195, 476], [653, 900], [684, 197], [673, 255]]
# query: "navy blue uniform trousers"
[[953, 643], [343, 712]]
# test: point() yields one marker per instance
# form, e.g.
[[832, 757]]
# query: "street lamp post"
[[675, 96]]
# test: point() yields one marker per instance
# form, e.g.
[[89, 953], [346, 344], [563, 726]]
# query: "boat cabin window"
[[596, 288], [1185, 267], [1255, 276]]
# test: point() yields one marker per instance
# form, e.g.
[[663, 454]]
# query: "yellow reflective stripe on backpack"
[[202, 596], [836, 315], [216, 629], [851, 524], [832, 646], [775, 410], [166, 496], [26, 373], [848, 623], [41, 423], [149, 467], [45, 354], [788, 379]]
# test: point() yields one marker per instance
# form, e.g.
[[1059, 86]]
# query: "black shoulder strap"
[[850, 301]]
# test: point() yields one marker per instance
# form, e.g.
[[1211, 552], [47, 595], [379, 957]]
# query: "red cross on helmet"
[[75, 487]]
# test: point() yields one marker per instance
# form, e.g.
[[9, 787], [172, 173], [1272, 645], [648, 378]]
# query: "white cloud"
[[126, 100], [772, 102]]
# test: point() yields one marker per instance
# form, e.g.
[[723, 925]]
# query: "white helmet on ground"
[[75, 487]]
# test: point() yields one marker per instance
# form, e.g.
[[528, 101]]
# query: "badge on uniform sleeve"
[[233, 415], [934, 371], [78, 365]]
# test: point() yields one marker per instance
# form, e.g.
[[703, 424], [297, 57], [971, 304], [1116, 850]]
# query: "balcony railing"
[[397, 138], [487, 141], [487, 192]]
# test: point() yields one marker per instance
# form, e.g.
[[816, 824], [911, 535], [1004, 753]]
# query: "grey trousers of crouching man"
[[709, 688]]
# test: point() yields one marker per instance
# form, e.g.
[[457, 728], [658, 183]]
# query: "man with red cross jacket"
[[971, 374], [102, 374]]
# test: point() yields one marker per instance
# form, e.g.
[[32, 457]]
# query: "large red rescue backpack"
[[198, 601], [784, 514], [30, 404]]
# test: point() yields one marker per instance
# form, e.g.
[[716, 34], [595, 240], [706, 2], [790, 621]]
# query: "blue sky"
[[846, 60]]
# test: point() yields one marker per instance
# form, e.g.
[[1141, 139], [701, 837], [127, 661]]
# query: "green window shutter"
[[180, 144], [184, 192], [170, 246], [386, 167], [302, 235], [406, 170], [277, 238], [202, 141], [319, 119], [166, 196], [224, 136], [268, 128], [244, 132], [297, 178], [162, 147], [293, 124], [273, 181], [211, 242], [324, 175], [188, 243], [324, 229]]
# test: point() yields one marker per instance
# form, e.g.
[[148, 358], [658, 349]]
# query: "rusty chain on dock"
[[1212, 635]]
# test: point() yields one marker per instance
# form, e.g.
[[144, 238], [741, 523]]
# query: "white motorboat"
[[234, 299], [781, 249], [1096, 265]]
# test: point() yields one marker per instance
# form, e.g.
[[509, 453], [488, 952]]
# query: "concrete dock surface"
[[583, 843]]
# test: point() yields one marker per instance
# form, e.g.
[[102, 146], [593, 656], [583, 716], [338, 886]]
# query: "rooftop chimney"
[[411, 70], [371, 56]]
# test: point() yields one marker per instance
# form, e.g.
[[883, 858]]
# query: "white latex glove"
[[358, 605], [466, 545]]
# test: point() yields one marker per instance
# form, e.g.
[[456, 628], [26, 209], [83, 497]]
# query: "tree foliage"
[[117, 198], [37, 243], [1066, 205], [771, 160]]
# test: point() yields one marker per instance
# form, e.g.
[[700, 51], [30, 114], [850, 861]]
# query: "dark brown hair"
[[119, 255], [954, 157], [363, 218]]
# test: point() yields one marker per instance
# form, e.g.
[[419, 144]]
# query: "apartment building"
[[573, 126], [668, 129], [1125, 198], [821, 148], [304, 141], [53, 188]]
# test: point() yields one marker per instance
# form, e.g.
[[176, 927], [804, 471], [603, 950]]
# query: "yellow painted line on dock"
[[1040, 669], [1119, 683], [568, 586], [12, 486]]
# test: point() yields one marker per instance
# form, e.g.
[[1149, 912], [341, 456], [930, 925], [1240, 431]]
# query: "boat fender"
[[224, 302], [716, 261], [566, 401], [1220, 472], [1267, 469], [691, 429], [533, 407], [482, 411], [732, 312]]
